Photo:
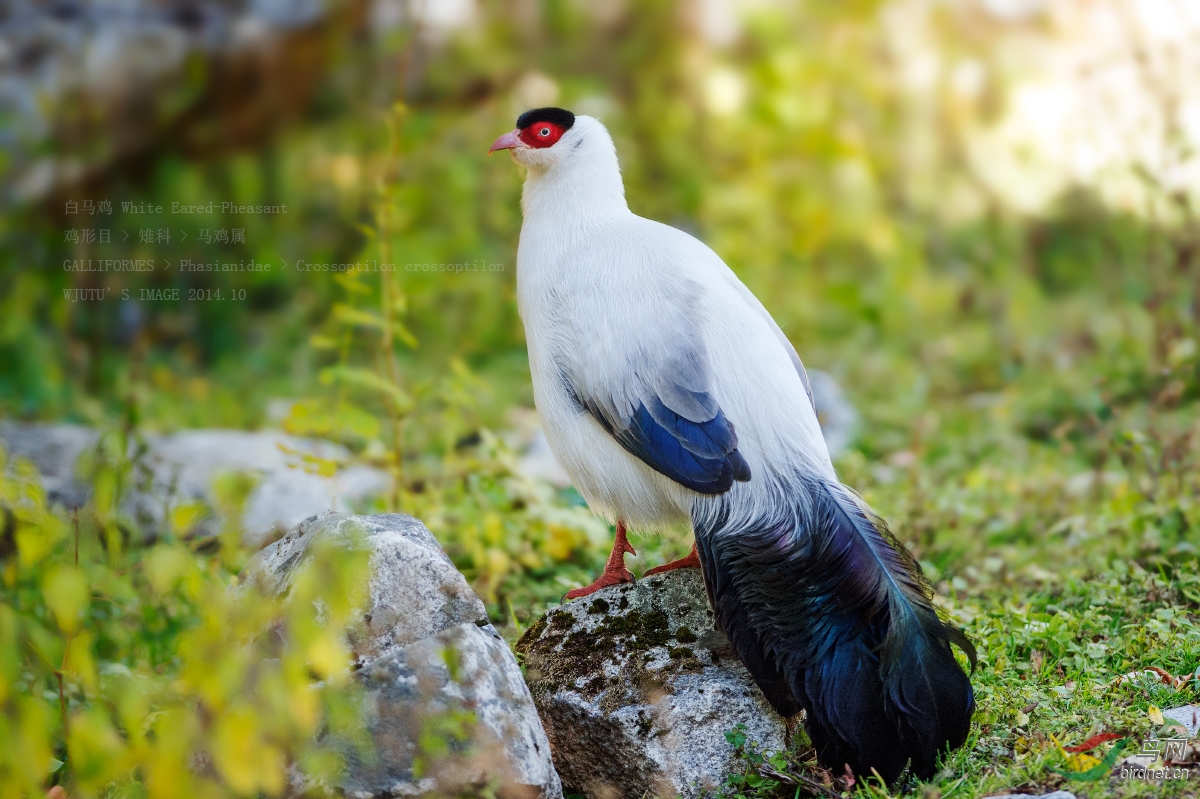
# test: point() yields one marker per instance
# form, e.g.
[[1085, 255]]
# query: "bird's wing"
[[754, 303], [650, 386]]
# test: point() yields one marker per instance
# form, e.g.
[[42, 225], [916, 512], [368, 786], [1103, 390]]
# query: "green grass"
[[1069, 564], [1051, 649]]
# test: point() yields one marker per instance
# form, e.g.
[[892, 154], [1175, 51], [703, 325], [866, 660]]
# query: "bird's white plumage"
[[648, 355], [617, 306]]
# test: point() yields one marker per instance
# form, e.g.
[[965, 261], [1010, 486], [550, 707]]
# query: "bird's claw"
[[689, 561], [608, 578]]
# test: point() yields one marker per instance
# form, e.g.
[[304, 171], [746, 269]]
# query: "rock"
[[637, 690], [1052, 795], [538, 462], [412, 685], [84, 85], [535, 461], [180, 468], [1173, 741], [1188, 716], [415, 590], [184, 465], [426, 651], [54, 449], [835, 412]]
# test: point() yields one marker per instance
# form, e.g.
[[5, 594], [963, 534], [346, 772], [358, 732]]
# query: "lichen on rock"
[[636, 690]]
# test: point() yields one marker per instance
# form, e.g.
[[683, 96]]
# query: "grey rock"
[[1052, 795], [412, 685], [415, 590], [636, 690], [1152, 756], [1188, 716], [54, 450], [426, 654], [184, 465], [181, 467], [84, 84], [537, 461], [837, 415]]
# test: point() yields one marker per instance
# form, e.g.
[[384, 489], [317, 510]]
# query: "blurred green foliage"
[[1028, 382], [144, 669]]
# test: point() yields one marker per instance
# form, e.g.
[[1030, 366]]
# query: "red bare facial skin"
[[537, 129], [541, 134]]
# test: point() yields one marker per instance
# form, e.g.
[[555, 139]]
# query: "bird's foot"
[[615, 572], [609, 577], [689, 561]]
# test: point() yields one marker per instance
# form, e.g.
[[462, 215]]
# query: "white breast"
[[616, 484]]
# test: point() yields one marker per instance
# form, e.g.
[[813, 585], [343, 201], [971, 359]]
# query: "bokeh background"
[[977, 217]]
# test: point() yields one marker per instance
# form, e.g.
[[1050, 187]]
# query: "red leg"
[[615, 572], [689, 561]]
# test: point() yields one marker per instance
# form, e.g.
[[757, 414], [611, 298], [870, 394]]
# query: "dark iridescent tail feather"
[[831, 614]]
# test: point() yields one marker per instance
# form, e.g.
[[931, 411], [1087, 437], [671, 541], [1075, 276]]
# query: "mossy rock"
[[636, 690]]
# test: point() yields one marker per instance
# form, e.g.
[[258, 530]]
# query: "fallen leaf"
[[1094, 767], [1162, 676], [1082, 762], [1162, 673], [1093, 742]]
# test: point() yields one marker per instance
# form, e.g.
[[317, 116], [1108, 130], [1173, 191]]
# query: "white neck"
[[580, 188]]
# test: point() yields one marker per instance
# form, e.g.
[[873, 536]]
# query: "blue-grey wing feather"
[[652, 392]]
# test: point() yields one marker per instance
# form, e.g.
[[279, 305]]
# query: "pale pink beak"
[[506, 142]]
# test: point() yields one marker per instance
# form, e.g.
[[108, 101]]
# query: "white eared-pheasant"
[[667, 392]]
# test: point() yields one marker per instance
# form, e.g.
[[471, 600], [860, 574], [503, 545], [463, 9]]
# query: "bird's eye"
[[544, 132]]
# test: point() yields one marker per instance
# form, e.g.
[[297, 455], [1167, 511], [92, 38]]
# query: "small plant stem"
[[387, 297], [62, 706], [62, 695]]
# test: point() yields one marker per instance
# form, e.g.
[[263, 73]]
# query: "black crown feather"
[[558, 116]]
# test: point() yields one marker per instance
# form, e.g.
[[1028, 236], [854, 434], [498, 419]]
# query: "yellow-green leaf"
[[246, 762], [349, 315], [404, 334], [65, 589], [364, 379], [95, 749], [78, 661], [186, 516], [319, 342], [164, 565]]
